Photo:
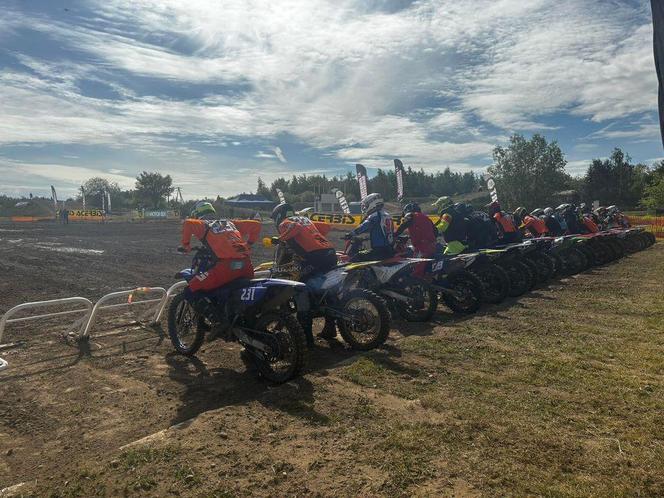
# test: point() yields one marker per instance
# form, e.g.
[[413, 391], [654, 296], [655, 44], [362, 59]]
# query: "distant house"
[[250, 201]]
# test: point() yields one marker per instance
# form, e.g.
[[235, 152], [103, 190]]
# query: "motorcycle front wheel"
[[186, 328], [365, 323]]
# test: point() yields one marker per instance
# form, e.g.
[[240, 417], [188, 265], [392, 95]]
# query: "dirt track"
[[524, 398]]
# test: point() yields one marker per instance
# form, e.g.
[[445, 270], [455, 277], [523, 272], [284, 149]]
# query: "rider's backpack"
[[482, 230]]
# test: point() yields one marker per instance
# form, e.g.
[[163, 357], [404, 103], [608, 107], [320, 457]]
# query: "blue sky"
[[216, 93]]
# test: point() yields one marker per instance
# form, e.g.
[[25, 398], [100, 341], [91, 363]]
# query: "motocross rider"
[[421, 231], [552, 225], [569, 213], [587, 218], [452, 225], [380, 226], [533, 224], [224, 240], [317, 254], [616, 218], [302, 237], [507, 229]]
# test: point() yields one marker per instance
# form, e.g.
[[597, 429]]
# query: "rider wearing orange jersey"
[[507, 229], [301, 236], [534, 225], [224, 240]]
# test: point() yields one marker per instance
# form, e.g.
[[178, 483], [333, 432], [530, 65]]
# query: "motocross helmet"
[[537, 212], [203, 210], [280, 213], [443, 203], [548, 211], [520, 211], [462, 208], [371, 203], [612, 209], [563, 207], [494, 207], [412, 207]]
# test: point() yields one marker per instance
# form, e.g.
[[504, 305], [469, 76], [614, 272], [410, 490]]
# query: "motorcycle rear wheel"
[[574, 261], [365, 308], [288, 360], [533, 277], [518, 274], [602, 252], [470, 287], [495, 283], [422, 313], [545, 267], [186, 328]]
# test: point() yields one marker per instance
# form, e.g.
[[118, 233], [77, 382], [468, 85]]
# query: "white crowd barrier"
[[91, 311]]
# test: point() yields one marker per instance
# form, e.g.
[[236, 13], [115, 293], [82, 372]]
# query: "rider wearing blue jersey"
[[380, 226]]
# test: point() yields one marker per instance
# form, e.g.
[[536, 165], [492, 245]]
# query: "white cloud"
[[336, 76], [279, 154], [569, 56]]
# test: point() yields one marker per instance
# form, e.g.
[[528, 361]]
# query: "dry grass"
[[559, 394]]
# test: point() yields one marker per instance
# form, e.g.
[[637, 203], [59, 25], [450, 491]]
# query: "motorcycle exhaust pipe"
[[395, 295]]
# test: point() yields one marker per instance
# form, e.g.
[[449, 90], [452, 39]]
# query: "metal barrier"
[[169, 293], [43, 304], [91, 310], [130, 293]]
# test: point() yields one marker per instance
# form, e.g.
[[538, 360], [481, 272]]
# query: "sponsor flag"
[[342, 200], [399, 172], [491, 187], [54, 196], [282, 197], [362, 180]]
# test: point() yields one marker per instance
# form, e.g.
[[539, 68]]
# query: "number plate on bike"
[[437, 265], [250, 295]]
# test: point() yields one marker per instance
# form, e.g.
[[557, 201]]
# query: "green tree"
[[95, 189], [261, 189], [616, 180], [152, 188], [654, 195], [528, 172]]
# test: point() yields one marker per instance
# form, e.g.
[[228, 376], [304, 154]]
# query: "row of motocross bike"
[[264, 314]]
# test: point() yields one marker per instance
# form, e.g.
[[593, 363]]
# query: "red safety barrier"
[[654, 224]]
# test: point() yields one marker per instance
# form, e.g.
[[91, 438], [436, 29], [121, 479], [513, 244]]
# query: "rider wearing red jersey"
[[224, 240]]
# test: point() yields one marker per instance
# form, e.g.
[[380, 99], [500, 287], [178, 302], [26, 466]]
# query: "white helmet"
[[548, 211], [371, 203]]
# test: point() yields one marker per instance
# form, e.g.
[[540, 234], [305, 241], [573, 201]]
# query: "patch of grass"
[[142, 483], [186, 476], [366, 372], [137, 457]]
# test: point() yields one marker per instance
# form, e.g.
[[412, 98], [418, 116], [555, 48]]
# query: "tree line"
[[528, 172], [151, 191], [531, 172], [417, 183]]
